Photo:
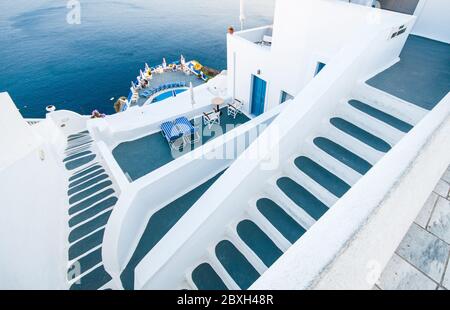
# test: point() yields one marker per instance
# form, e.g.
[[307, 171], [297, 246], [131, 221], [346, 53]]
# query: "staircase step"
[[85, 171], [235, 263], [93, 280], [86, 244], [325, 178], [76, 155], [284, 223], [77, 163], [88, 227], [300, 196], [87, 184], [360, 134], [93, 211], [343, 155], [85, 263], [88, 192], [73, 146], [86, 178], [206, 278], [76, 135], [90, 201], [382, 116], [258, 242]]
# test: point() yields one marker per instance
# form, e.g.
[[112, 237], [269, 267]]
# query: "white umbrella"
[[147, 68], [242, 13], [142, 74], [191, 91], [182, 60], [133, 85], [164, 64]]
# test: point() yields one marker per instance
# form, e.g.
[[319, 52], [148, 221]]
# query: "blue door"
[[258, 96]]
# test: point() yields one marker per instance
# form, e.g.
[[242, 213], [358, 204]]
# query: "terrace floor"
[[142, 156], [422, 75], [167, 77], [421, 262]]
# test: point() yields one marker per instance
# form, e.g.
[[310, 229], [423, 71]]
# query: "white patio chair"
[[235, 108], [211, 118]]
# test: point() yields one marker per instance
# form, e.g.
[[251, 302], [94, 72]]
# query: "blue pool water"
[[168, 94], [44, 60]]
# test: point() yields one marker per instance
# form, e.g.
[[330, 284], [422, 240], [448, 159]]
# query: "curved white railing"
[[147, 195]]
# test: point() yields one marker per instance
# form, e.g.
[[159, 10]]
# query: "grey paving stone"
[[446, 176], [400, 275], [440, 220], [446, 281], [442, 188], [425, 214], [424, 251]]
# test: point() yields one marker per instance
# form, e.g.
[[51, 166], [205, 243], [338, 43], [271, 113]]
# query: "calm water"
[[44, 60]]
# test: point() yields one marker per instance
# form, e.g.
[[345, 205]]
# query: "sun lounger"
[[190, 133]]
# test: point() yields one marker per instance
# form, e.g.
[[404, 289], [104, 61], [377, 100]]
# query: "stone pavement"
[[421, 261]]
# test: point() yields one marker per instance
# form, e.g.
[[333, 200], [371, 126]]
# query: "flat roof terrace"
[[422, 76], [141, 156]]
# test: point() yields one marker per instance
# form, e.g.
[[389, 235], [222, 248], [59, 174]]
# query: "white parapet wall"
[[370, 220], [32, 205], [141, 199]]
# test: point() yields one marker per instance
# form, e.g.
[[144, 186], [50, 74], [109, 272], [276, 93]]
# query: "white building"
[[307, 194]]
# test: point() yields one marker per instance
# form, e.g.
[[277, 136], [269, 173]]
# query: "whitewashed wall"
[[433, 20], [32, 209], [304, 33]]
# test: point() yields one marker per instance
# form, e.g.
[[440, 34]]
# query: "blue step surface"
[[205, 278], [88, 227], [76, 155], [235, 263], [84, 245], [381, 116], [86, 184], [86, 178], [85, 263], [322, 176], [93, 280], [83, 172], [284, 223], [259, 242], [159, 224], [90, 201], [343, 155], [77, 163], [302, 198], [360, 134], [74, 146], [90, 191], [93, 211]]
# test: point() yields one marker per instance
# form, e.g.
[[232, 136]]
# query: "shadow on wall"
[[401, 6]]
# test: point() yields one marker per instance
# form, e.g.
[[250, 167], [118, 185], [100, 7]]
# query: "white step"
[[347, 174], [281, 199], [370, 124], [388, 103], [354, 145], [253, 213], [292, 171]]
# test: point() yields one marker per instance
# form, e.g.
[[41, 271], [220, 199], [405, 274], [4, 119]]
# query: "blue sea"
[[45, 60]]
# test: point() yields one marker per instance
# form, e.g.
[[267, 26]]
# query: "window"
[[285, 97], [319, 67]]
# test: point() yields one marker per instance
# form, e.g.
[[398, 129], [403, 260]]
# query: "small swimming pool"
[[168, 94]]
